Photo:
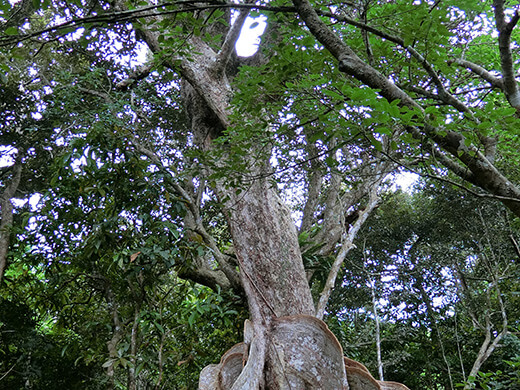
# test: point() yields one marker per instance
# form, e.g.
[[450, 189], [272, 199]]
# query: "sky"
[[249, 39]]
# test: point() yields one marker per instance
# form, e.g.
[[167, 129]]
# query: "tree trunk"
[[117, 335], [284, 345], [6, 215], [132, 378], [378, 330]]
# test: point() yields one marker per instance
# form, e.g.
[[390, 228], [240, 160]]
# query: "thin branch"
[[228, 47], [515, 244], [8, 371], [419, 91], [346, 246], [454, 183], [125, 16], [506, 57], [496, 82], [222, 259]]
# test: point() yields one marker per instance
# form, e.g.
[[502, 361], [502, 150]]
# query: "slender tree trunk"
[[117, 334], [378, 331], [6, 216], [431, 313], [160, 363], [132, 382], [491, 337], [346, 246]]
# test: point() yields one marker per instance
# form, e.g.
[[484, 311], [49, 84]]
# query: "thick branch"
[[213, 279], [485, 174], [137, 75]]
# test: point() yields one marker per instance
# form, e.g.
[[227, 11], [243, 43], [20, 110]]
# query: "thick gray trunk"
[[266, 245], [285, 346]]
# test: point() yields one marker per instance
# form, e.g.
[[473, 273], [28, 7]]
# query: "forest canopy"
[[176, 214]]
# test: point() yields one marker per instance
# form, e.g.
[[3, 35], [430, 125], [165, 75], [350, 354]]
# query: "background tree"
[[446, 281]]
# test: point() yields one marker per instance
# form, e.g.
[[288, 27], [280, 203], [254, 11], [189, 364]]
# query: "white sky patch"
[[404, 181], [7, 154], [249, 39]]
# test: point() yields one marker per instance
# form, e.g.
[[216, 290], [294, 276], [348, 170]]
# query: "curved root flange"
[[297, 352]]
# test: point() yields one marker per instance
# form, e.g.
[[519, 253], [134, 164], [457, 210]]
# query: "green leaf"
[[11, 31], [331, 161], [159, 326], [431, 110], [191, 318]]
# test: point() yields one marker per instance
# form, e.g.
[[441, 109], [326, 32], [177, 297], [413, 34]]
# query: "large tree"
[[336, 97]]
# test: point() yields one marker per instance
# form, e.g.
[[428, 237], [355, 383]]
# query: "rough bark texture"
[[285, 347], [266, 245]]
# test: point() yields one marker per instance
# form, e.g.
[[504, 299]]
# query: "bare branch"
[[103, 95], [495, 81], [515, 244], [419, 91], [346, 246], [228, 47]]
